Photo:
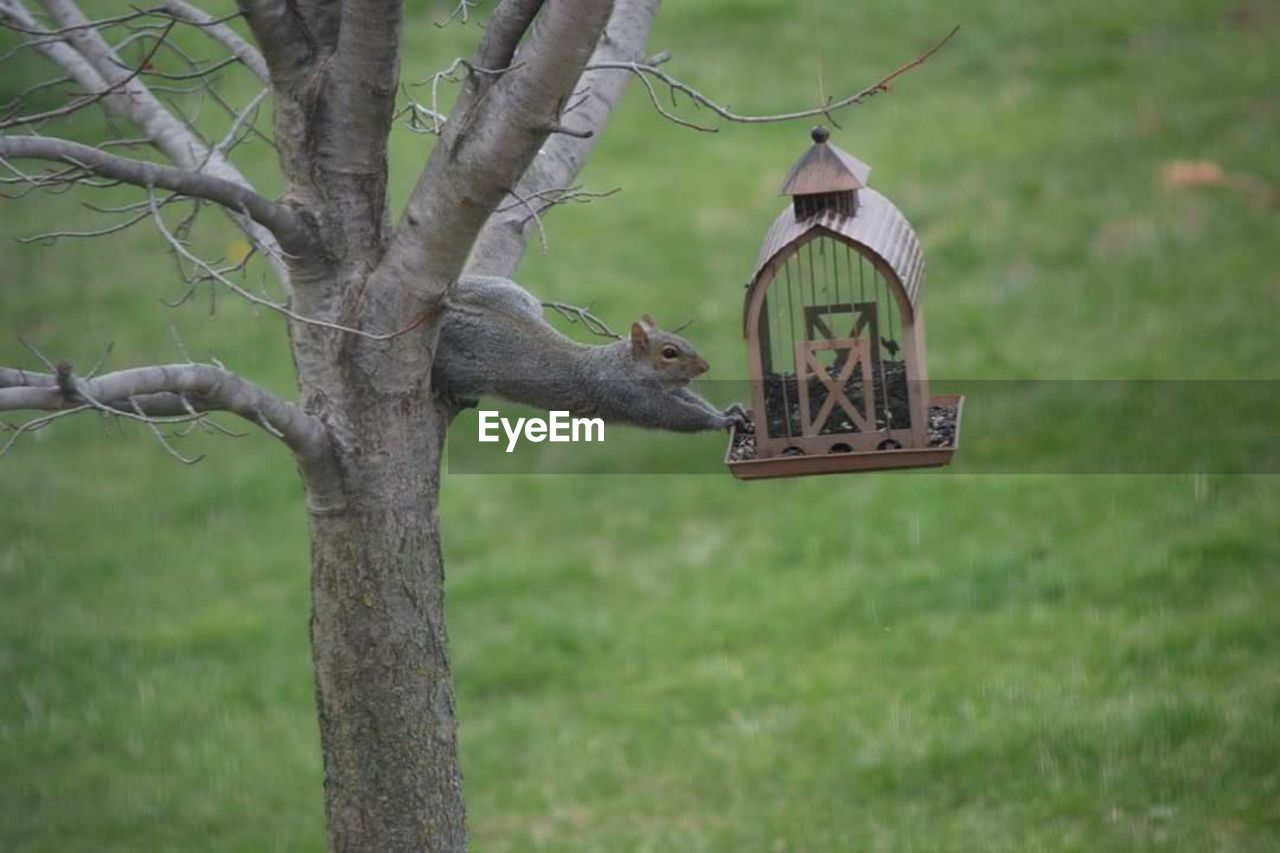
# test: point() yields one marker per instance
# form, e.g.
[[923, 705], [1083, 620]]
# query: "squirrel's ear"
[[639, 339], [648, 322]]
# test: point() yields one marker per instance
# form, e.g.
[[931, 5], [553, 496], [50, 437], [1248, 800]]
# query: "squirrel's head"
[[672, 358]]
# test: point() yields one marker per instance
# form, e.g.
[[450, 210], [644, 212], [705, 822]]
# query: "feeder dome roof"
[[878, 229], [825, 168]]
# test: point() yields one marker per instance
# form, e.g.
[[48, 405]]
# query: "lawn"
[[926, 661]]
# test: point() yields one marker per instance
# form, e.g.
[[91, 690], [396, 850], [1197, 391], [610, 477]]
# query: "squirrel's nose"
[[702, 365]]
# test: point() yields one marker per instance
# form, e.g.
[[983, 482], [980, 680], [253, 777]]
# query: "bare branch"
[[170, 393], [503, 31], [213, 273], [362, 72], [16, 102], [91, 98], [500, 246], [99, 23], [542, 201], [245, 117], [283, 222], [35, 424], [548, 199], [13, 377], [451, 74], [219, 31], [86, 56], [645, 71], [494, 131]]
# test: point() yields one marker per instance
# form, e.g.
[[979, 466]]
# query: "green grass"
[[895, 661]]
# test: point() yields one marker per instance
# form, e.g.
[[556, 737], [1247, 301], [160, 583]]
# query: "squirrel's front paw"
[[735, 415]]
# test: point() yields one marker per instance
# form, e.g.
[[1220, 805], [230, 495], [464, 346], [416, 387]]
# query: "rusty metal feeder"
[[835, 334]]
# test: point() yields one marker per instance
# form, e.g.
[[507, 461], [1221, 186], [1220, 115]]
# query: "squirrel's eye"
[[670, 352]]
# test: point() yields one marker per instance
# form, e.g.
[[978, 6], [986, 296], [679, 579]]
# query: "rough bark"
[[383, 682]]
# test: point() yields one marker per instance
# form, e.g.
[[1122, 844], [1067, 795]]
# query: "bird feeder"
[[835, 334]]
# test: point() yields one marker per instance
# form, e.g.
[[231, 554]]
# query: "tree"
[[363, 297]]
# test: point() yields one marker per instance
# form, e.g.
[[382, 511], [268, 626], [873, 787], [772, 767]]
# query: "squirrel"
[[495, 340]]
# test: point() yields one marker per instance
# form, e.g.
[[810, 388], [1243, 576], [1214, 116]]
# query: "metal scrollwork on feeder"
[[835, 334]]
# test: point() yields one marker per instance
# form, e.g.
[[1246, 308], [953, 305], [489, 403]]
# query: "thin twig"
[[559, 195], [48, 238], [589, 321], [460, 11], [534, 214], [49, 365], [102, 359], [644, 71], [38, 423], [164, 442], [450, 74], [217, 275], [94, 97]]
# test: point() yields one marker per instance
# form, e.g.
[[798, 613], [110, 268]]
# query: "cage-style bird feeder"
[[835, 334]]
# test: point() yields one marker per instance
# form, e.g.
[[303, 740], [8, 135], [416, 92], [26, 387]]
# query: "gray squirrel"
[[494, 340]]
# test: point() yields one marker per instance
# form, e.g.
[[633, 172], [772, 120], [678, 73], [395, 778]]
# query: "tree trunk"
[[384, 690]]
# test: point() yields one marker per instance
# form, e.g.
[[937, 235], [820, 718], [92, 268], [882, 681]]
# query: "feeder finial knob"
[[820, 134]]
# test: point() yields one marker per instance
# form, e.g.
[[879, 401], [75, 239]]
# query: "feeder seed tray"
[[944, 431]]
